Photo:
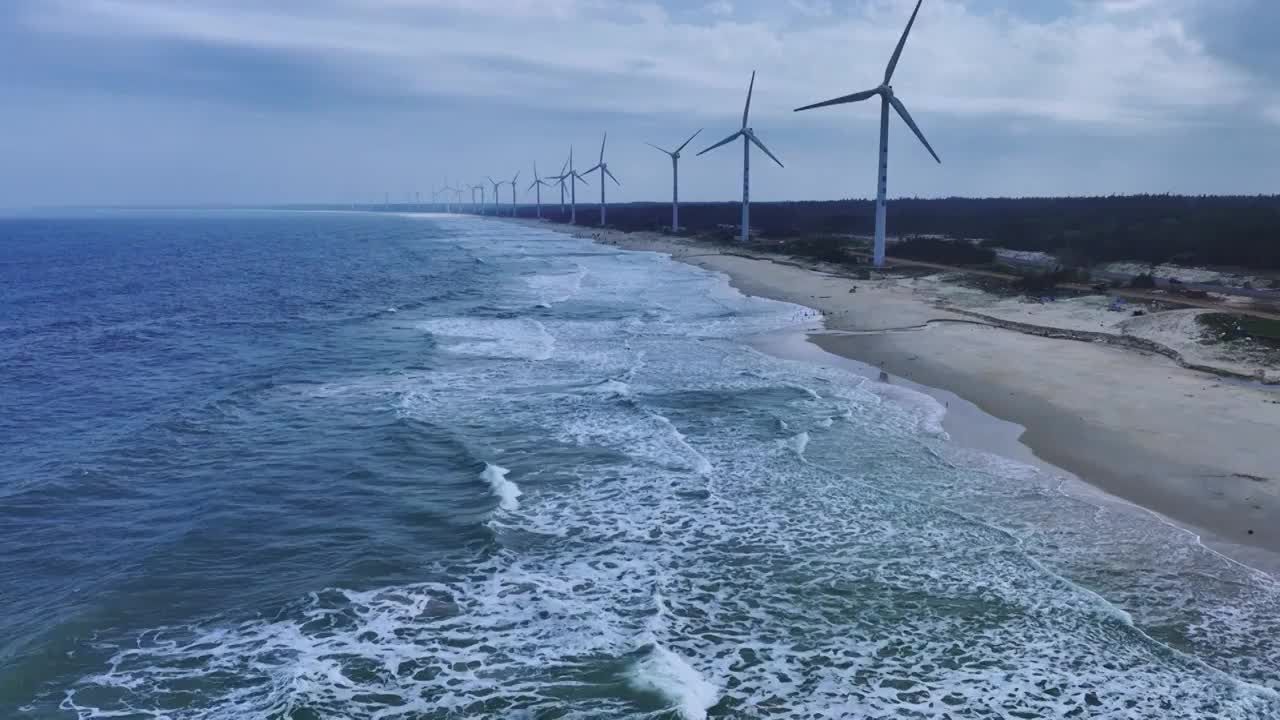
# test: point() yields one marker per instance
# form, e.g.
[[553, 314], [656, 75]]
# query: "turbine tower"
[[539, 183], [480, 187], [513, 192], [748, 136], [603, 167], [887, 98], [675, 180]]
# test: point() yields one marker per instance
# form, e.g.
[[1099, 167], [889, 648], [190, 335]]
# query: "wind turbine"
[[480, 187], [513, 192], [748, 136], [887, 98], [574, 178], [497, 205], [675, 180], [560, 180], [539, 183], [603, 167]]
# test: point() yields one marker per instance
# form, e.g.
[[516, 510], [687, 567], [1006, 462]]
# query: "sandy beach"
[[1197, 448]]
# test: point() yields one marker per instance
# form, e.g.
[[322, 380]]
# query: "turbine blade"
[[611, 177], [535, 182], [725, 141], [655, 147], [747, 109], [602, 142], [897, 52], [686, 142], [752, 137], [855, 97], [517, 177], [906, 117], [590, 170]]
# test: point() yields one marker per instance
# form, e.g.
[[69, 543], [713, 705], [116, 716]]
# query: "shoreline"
[[1140, 428]]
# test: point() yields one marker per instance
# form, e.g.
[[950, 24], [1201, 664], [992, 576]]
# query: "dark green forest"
[[1240, 231]]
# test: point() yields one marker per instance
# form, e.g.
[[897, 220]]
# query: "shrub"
[[1145, 281]]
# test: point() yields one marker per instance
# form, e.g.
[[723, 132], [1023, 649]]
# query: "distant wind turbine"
[[513, 180], [748, 136], [497, 203], [603, 167], [560, 180], [574, 178], [675, 180], [480, 187], [887, 98], [539, 183]]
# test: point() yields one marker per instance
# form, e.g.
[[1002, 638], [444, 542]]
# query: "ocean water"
[[322, 465]]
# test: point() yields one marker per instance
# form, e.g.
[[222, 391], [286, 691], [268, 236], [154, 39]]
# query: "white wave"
[[667, 674], [615, 388], [797, 443], [507, 492], [701, 464], [925, 409], [813, 593], [556, 288], [523, 338]]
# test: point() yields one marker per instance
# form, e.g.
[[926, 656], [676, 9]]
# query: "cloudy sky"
[[233, 101]]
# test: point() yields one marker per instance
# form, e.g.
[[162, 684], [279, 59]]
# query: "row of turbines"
[[569, 177]]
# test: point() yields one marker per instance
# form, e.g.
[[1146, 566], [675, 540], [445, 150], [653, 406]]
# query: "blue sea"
[[302, 466]]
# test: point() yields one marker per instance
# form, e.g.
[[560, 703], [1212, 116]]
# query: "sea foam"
[[507, 492], [665, 673]]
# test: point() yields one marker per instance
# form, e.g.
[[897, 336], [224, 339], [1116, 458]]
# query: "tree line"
[[1191, 230]]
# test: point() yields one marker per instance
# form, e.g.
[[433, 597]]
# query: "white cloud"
[[1113, 64], [720, 8], [811, 8]]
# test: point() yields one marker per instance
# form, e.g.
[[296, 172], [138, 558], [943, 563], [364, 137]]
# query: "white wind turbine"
[[497, 203], [887, 98], [675, 179], [574, 177], [748, 136], [560, 181], [539, 183], [513, 180], [480, 187], [603, 167], [445, 191]]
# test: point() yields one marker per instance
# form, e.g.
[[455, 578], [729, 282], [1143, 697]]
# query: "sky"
[[242, 101]]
